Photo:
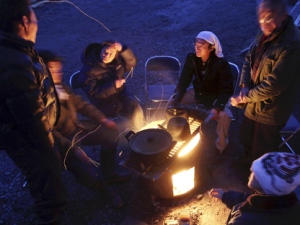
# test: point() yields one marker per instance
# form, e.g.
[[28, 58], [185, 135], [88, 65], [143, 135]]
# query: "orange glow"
[[183, 181], [190, 146], [153, 124]]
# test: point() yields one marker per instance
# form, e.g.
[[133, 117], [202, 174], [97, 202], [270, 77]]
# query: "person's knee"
[[224, 114]]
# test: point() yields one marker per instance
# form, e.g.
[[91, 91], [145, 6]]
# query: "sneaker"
[[117, 177], [112, 199]]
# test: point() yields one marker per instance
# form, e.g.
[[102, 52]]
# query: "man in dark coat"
[[269, 80], [29, 109]]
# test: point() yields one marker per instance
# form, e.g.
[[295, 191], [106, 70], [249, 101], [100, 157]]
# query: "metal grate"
[[156, 170]]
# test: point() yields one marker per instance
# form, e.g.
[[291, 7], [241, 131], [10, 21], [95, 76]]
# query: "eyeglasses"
[[266, 20]]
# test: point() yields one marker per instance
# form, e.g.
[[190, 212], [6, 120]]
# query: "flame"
[[190, 146], [183, 181]]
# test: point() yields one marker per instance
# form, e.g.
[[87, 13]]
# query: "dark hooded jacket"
[[29, 106], [98, 79], [262, 209], [214, 88]]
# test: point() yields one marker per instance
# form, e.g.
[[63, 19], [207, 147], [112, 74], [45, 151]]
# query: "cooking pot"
[[150, 145], [175, 112], [179, 128]]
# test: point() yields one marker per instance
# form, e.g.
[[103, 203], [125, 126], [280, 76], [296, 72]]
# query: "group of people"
[[41, 132]]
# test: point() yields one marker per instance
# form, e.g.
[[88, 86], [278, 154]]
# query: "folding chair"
[[73, 80], [236, 78], [161, 77], [290, 129]]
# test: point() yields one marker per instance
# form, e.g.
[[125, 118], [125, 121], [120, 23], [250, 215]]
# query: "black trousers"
[[79, 163], [108, 139], [258, 138], [42, 170]]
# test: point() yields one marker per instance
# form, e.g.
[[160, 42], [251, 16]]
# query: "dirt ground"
[[150, 28]]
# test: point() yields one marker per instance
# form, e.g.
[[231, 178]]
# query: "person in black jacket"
[[102, 77], [212, 82], [274, 179], [70, 133], [29, 109]]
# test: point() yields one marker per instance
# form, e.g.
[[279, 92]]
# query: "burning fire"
[[183, 181], [190, 146]]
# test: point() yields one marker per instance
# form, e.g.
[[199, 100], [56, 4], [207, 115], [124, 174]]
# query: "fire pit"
[[175, 173]]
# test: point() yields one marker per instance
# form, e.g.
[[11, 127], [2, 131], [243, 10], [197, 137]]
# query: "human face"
[[32, 27], [56, 71], [202, 49], [268, 20], [108, 54]]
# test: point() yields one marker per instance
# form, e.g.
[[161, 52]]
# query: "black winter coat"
[[275, 88], [214, 88], [98, 79], [29, 107]]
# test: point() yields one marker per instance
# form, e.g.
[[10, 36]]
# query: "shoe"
[[111, 198], [117, 177]]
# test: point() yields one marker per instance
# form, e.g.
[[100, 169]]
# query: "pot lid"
[[172, 112], [151, 141]]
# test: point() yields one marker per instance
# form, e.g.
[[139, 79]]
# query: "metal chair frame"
[[166, 70], [290, 129], [73, 80], [236, 79]]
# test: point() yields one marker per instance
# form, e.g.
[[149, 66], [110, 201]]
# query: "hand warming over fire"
[[217, 193], [237, 100]]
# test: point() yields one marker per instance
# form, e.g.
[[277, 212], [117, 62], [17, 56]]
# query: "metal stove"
[[160, 177]]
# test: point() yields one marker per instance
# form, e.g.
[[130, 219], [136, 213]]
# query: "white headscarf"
[[212, 39]]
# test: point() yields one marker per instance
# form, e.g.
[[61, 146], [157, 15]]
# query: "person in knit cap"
[[274, 179], [212, 81]]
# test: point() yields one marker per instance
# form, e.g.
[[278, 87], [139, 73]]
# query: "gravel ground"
[[150, 28]]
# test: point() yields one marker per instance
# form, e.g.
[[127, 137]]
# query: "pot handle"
[[129, 135]]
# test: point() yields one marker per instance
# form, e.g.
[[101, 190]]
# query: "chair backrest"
[[74, 80], [289, 130], [236, 77], [162, 70]]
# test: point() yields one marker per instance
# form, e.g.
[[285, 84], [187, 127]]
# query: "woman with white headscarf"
[[212, 82]]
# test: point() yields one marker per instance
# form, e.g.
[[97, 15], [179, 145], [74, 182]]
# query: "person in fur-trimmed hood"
[[274, 178], [102, 77]]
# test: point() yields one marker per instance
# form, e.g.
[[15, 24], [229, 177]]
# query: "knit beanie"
[[212, 39], [278, 173]]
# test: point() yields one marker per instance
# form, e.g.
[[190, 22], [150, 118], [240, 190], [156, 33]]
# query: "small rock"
[[200, 197]]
